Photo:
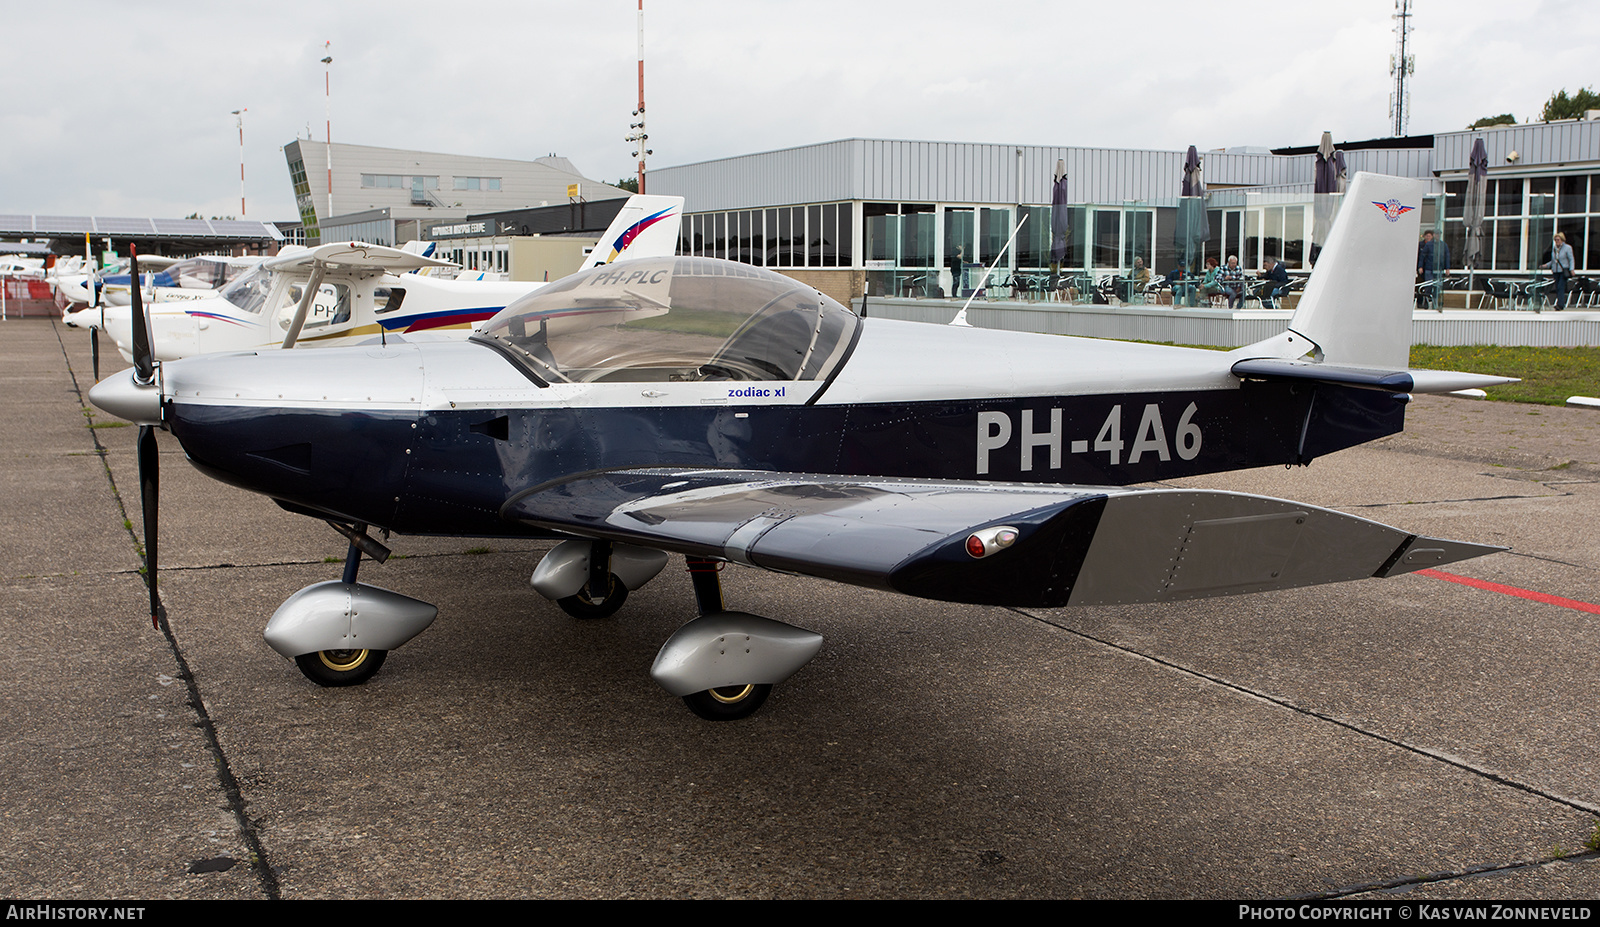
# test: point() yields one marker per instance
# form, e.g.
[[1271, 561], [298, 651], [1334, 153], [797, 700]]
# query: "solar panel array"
[[184, 227], [129, 226], [63, 224], [106, 225]]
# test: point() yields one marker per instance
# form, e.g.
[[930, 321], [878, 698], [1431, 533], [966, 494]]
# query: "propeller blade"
[[143, 357], [94, 351], [149, 497]]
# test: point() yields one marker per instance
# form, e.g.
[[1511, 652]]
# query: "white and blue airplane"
[[731, 414], [350, 292]]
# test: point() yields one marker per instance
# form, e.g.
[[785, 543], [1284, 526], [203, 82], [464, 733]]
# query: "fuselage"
[[434, 438]]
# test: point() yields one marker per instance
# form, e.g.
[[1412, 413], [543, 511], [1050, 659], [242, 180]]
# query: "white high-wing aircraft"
[[81, 289], [191, 278], [344, 293], [732, 414]]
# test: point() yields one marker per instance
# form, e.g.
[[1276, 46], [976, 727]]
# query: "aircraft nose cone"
[[122, 396]]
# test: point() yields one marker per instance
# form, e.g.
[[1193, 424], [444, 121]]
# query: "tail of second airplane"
[[1353, 324], [647, 226], [1357, 306]]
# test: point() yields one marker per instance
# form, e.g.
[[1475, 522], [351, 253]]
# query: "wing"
[[1073, 545], [353, 254]]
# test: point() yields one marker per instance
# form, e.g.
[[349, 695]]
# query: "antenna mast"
[[1402, 64], [638, 138]]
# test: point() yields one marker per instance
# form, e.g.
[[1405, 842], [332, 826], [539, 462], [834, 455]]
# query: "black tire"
[[583, 606], [728, 703], [333, 668]]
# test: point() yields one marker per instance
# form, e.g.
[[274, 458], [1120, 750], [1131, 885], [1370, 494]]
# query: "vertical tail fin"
[[647, 226], [1357, 305]]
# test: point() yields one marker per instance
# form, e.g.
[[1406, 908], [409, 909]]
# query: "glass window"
[[249, 292], [1455, 199], [1250, 256], [960, 234], [769, 244], [846, 233], [331, 306], [1107, 237], [830, 235], [674, 319], [917, 245], [1506, 195], [1138, 237], [1507, 244], [784, 249], [1294, 236], [994, 227], [1574, 194]]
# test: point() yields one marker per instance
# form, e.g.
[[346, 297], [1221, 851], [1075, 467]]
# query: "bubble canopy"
[[673, 319]]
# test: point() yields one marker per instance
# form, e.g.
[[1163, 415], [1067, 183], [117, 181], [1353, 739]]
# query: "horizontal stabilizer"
[[1392, 381], [1067, 545]]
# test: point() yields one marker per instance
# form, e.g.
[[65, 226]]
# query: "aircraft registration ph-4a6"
[[732, 414]]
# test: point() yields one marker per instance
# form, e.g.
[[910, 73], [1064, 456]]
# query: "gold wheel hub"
[[732, 695], [342, 661]]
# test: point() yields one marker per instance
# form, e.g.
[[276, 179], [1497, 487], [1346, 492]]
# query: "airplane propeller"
[[149, 460], [93, 285]]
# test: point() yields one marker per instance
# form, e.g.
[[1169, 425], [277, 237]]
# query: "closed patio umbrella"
[[1325, 189], [1060, 215], [1194, 226], [1476, 205]]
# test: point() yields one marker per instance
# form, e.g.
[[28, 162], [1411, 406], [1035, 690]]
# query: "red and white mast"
[[639, 137], [239, 117]]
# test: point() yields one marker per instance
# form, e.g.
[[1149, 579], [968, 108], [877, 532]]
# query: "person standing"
[[1561, 265], [958, 271], [1274, 281], [1433, 260]]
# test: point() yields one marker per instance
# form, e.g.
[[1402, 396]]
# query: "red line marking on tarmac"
[[1513, 590]]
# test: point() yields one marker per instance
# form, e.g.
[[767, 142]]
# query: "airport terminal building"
[[891, 214], [386, 195]]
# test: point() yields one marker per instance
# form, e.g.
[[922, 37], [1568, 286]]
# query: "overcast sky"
[[130, 115]]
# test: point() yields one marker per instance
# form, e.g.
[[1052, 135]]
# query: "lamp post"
[[327, 90], [238, 115]]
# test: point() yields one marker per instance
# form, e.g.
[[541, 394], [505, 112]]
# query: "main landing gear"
[[722, 664]]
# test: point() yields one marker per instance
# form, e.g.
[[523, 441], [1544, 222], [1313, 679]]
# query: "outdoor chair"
[[1533, 293], [1497, 291]]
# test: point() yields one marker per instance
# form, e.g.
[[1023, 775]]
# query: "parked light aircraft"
[[191, 278], [79, 288], [732, 414], [344, 293]]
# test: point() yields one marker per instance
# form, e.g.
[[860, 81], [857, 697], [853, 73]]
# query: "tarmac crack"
[[1434, 878], [1429, 753], [1385, 505], [265, 877]]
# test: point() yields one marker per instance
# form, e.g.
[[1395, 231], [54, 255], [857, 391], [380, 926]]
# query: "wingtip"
[[1422, 553]]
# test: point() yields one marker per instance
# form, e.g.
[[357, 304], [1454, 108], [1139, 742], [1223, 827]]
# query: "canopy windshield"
[[666, 319]]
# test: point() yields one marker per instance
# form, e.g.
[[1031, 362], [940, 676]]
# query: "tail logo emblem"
[[1392, 209], [634, 231]]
